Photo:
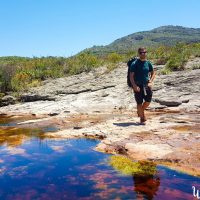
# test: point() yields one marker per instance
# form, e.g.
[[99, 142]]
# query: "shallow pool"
[[43, 168]]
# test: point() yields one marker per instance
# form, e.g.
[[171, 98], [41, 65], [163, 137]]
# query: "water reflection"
[[70, 170], [5, 120], [145, 175], [35, 167], [146, 186], [13, 136]]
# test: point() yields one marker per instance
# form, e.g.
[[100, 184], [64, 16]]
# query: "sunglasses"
[[142, 52]]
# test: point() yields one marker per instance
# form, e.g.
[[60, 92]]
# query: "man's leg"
[[144, 106], [141, 113], [147, 100], [140, 110], [139, 101]]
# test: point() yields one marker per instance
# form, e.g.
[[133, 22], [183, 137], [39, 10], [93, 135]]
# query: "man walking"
[[142, 75]]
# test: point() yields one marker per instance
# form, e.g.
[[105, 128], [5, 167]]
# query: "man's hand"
[[136, 88], [150, 84]]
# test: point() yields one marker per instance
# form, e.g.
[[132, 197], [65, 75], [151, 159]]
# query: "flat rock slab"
[[140, 151]]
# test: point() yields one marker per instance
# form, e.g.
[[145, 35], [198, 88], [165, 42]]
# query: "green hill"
[[164, 35]]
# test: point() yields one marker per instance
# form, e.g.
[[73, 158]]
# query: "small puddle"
[[35, 167], [13, 120]]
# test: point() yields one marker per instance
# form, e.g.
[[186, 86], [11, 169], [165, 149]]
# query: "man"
[[141, 77]]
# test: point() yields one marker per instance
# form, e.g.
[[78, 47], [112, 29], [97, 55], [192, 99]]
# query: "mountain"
[[164, 35]]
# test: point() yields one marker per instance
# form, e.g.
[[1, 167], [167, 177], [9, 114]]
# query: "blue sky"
[[65, 27]]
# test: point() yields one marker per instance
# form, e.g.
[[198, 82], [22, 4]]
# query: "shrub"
[[6, 73], [165, 71], [83, 62], [20, 81], [195, 49], [114, 58], [179, 56], [110, 67]]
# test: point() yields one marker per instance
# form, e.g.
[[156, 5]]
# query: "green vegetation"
[[128, 167], [164, 35], [174, 57], [18, 74]]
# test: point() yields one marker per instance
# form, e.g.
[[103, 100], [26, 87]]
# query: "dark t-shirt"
[[141, 71]]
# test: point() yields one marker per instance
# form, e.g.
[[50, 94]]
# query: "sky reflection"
[[71, 169]]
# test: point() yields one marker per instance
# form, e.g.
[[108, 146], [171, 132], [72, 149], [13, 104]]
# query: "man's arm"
[[152, 73], [152, 76], [135, 87]]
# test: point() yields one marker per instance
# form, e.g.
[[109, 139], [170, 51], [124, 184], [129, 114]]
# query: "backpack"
[[128, 72]]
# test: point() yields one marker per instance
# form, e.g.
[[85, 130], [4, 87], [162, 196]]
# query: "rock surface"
[[7, 100], [100, 105]]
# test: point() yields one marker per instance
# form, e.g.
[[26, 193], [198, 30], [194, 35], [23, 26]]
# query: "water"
[[39, 168]]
